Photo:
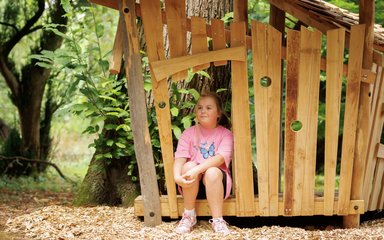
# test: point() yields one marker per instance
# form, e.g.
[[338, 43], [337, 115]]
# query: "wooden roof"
[[317, 13], [324, 16]]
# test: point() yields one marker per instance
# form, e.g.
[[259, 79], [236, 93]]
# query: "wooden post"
[[240, 11], [366, 16], [139, 125]]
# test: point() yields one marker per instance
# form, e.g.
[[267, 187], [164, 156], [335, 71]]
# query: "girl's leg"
[[190, 193], [213, 181]]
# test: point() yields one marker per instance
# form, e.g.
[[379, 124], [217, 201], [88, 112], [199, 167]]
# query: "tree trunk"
[[27, 91], [107, 183]]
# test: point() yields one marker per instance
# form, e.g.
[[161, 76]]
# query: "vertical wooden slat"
[[177, 32], [153, 30], [375, 134], [310, 72], [293, 60], [375, 94], [335, 58], [351, 113], [199, 39], [245, 202], [266, 44], [305, 146], [377, 186], [218, 38]]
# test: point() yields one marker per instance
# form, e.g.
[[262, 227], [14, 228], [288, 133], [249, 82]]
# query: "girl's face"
[[207, 113]]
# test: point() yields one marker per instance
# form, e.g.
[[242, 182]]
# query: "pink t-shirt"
[[198, 144]]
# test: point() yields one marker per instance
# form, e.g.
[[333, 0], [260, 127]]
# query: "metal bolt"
[[151, 214], [356, 207]]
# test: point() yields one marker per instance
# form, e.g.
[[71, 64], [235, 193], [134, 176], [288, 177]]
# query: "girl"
[[202, 159]]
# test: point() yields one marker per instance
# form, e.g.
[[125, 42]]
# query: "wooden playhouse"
[[286, 80]]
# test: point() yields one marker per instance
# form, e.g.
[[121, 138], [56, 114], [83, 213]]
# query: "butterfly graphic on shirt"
[[206, 153]]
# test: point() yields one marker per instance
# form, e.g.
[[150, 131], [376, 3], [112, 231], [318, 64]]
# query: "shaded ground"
[[48, 215]]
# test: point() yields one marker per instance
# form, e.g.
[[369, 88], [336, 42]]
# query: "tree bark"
[[107, 183]]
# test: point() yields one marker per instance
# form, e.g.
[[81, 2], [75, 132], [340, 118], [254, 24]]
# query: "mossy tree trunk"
[[107, 181]]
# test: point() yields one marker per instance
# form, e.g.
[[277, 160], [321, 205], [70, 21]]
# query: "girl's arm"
[[215, 161]]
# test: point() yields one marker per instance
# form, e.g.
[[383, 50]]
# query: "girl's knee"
[[213, 174]]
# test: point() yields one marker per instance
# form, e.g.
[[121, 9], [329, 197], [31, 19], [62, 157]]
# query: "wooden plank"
[[375, 91], [153, 31], [335, 58], [380, 151], [117, 51], [138, 110], [351, 115], [377, 186], [266, 56], [177, 32], [293, 60], [162, 69], [218, 38], [229, 208], [375, 135], [199, 39], [241, 128], [309, 73], [381, 198]]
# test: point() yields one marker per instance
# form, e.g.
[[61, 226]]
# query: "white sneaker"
[[220, 226], [186, 224]]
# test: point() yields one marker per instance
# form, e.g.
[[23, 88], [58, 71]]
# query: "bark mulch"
[[46, 215]]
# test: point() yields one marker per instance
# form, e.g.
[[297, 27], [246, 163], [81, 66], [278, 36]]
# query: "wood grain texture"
[[142, 140], [335, 58], [351, 115], [177, 32], [266, 59], [199, 39], [293, 63], [241, 129]]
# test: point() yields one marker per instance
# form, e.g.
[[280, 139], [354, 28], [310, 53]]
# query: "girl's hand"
[[184, 182], [191, 174]]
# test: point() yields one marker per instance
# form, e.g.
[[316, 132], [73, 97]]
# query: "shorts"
[[202, 193]]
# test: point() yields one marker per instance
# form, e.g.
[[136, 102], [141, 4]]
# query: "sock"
[[191, 212], [217, 219]]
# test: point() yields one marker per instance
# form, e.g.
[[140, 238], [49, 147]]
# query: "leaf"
[[109, 142], [194, 93], [108, 155], [66, 5], [120, 145], [177, 131], [99, 30], [107, 97], [44, 65], [174, 111]]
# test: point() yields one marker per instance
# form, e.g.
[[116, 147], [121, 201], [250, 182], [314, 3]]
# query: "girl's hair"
[[223, 119]]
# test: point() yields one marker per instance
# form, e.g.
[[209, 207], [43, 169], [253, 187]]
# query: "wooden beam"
[[229, 208], [164, 68], [139, 125]]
